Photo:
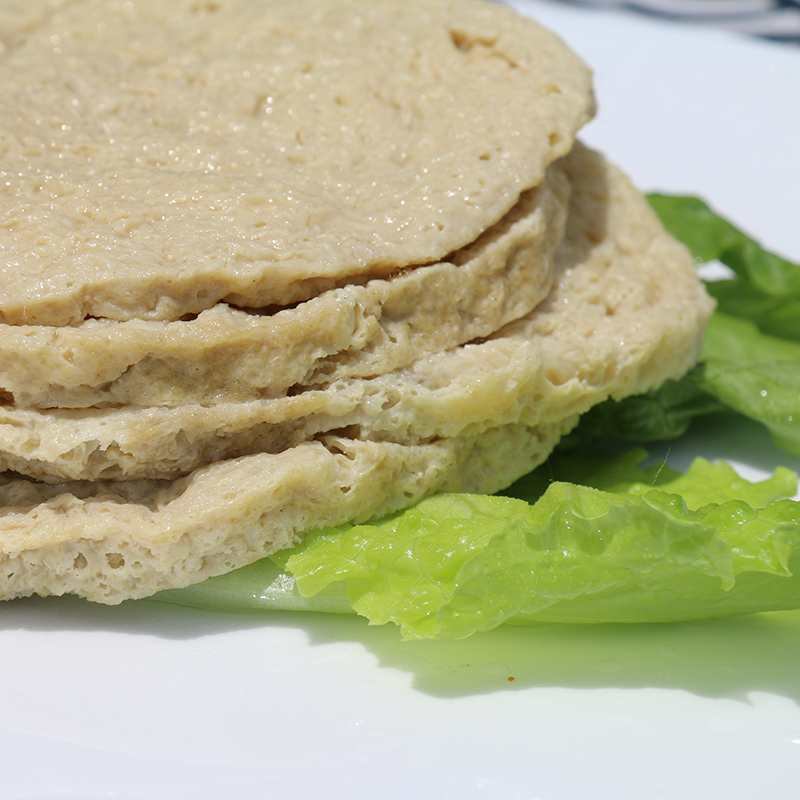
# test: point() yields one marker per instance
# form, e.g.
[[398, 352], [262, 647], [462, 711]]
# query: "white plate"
[[144, 701]]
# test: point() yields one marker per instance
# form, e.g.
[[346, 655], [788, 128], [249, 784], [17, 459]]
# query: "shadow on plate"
[[715, 659]]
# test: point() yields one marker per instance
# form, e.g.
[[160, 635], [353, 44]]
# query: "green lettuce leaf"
[[705, 544], [765, 287], [741, 370], [755, 374], [259, 587], [661, 414], [750, 362]]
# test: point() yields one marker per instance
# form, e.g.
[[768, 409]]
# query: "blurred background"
[[772, 19]]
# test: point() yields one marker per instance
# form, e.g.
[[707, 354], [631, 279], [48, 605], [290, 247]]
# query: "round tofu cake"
[[161, 157]]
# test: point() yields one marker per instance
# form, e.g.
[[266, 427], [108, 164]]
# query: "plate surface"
[[145, 701]]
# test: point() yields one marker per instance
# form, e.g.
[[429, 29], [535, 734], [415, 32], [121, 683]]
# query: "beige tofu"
[[357, 330], [161, 157], [627, 312]]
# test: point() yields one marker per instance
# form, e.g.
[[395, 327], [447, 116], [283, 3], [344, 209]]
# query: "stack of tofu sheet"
[[272, 266]]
